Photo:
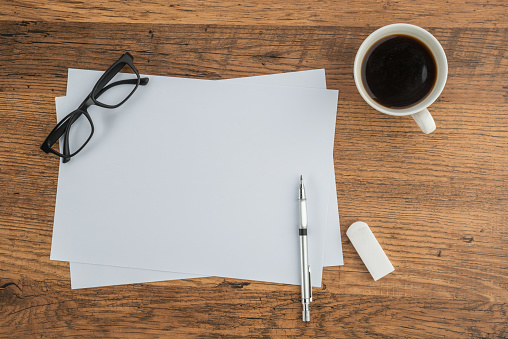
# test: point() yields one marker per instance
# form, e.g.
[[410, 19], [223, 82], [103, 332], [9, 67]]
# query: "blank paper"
[[181, 199]]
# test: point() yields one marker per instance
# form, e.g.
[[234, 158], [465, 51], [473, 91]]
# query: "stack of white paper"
[[194, 178]]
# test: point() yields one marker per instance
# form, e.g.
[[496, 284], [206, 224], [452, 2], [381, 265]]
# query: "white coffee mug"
[[419, 111]]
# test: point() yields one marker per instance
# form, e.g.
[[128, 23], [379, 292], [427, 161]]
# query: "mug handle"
[[425, 121]]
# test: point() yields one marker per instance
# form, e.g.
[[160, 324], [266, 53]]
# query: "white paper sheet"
[[158, 278], [89, 275]]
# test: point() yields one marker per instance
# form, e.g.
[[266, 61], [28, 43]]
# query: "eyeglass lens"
[[79, 133], [114, 93]]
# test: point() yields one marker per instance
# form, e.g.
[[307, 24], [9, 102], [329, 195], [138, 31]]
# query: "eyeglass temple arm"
[[56, 133], [142, 81], [125, 59]]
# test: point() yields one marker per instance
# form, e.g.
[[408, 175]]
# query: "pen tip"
[[301, 178]]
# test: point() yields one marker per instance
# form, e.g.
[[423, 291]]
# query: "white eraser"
[[367, 246]]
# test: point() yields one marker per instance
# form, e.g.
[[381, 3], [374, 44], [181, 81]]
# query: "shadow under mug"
[[418, 111]]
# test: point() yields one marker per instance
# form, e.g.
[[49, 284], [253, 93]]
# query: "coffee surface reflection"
[[399, 71]]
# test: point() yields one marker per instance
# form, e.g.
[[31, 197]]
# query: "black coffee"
[[399, 71]]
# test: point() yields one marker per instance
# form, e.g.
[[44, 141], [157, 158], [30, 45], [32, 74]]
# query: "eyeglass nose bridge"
[[88, 102]]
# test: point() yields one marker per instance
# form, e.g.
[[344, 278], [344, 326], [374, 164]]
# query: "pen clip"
[[310, 286]]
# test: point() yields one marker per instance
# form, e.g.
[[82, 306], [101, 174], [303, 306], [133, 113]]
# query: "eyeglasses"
[[115, 97]]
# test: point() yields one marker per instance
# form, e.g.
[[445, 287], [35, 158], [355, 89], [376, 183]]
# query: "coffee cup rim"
[[423, 36]]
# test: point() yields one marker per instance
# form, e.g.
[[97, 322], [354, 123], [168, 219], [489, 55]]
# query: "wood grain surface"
[[437, 203]]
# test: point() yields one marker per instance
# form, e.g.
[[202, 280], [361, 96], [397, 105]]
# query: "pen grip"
[[305, 269]]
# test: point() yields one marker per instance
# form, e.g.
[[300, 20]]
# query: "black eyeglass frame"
[[63, 127]]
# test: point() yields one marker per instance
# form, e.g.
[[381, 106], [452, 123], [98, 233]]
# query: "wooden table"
[[438, 203]]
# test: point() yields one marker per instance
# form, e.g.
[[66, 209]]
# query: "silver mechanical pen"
[[304, 254]]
